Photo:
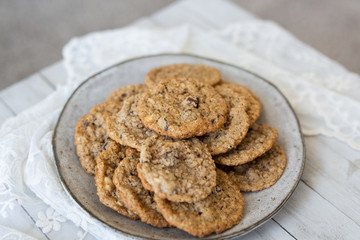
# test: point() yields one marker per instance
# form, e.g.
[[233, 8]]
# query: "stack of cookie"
[[178, 150]]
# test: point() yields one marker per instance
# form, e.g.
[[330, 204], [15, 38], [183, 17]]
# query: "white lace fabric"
[[323, 94]]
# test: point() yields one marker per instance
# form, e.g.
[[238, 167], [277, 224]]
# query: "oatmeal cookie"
[[182, 108], [179, 170], [260, 173], [90, 134], [145, 184], [254, 107], [107, 162], [221, 210], [121, 94], [205, 74], [235, 127], [133, 194], [259, 139], [126, 127]]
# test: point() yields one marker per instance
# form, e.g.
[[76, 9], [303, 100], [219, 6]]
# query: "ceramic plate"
[[259, 206]]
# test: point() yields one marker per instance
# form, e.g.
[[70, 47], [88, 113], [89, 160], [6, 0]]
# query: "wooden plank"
[[309, 216], [19, 220], [339, 147], [56, 74], [11, 233], [68, 231], [5, 111], [269, 231], [68, 228], [334, 176], [26, 93]]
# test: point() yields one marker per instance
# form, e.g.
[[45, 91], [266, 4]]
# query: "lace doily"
[[321, 92]]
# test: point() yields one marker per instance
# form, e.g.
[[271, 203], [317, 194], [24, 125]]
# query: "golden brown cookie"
[[221, 210], [90, 134], [260, 173], [121, 94], [179, 170], [126, 127], [107, 162], [182, 108], [205, 74], [133, 194], [259, 139], [254, 107], [145, 184], [235, 127]]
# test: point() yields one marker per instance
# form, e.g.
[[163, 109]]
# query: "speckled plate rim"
[[230, 236]]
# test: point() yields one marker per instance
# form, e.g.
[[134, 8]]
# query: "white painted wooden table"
[[326, 204]]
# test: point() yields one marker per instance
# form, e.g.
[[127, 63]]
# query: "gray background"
[[33, 32]]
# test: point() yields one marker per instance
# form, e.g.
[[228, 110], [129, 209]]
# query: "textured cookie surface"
[[145, 184], [179, 170], [90, 134], [126, 127], [260, 173], [133, 194], [205, 74], [254, 107], [221, 210], [235, 127], [259, 139], [182, 108], [121, 94], [107, 162]]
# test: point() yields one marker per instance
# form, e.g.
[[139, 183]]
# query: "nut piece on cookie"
[[121, 94], [178, 170], [133, 194], [203, 73], [254, 107], [259, 139], [182, 108], [126, 127], [107, 162], [235, 127], [90, 134], [260, 173], [221, 210]]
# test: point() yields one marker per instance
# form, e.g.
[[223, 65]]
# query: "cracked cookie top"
[[235, 127], [259, 139], [205, 74], [90, 136], [254, 107], [126, 127], [132, 192], [107, 162], [179, 170], [182, 108], [121, 94], [221, 210], [260, 173]]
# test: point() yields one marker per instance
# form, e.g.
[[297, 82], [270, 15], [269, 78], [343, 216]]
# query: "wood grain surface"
[[325, 204]]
